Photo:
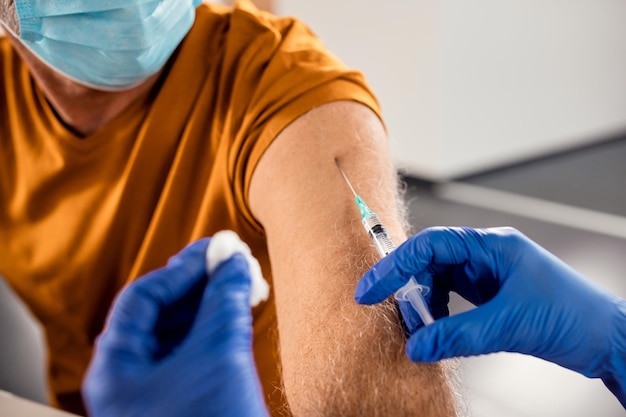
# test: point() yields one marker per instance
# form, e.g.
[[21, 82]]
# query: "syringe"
[[411, 291]]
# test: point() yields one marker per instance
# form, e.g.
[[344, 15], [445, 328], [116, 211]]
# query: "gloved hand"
[[179, 343], [529, 302]]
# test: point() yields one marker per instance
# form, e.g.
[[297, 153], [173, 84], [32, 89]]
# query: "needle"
[[411, 292], [345, 177]]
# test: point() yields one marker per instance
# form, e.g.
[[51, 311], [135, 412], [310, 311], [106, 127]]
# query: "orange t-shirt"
[[81, 217]]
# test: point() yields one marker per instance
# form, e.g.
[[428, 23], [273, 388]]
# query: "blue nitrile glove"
[[179, 343], [529, 302]]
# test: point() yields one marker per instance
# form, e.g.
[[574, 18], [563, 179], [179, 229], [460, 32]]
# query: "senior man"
[[130, 128]]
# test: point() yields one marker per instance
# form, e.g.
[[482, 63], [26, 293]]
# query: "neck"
[[8, 15], [81, 108], [84, 109]]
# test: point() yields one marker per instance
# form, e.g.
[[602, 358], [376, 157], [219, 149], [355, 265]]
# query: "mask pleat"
[[113, 45]]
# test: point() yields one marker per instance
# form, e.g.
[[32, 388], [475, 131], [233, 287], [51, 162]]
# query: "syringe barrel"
[[378, 234], [411, 291]]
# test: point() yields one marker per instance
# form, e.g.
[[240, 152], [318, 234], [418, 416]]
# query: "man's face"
[[110, 45]]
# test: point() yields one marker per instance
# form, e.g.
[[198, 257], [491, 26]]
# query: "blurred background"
[[499, 113]]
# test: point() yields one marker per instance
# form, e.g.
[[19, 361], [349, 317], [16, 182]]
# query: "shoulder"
[[244, 35], [267, 70]]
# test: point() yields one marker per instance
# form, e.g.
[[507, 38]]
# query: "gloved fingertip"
[[199, 244], [370, 289], [362, 291], [191, 251], [466, 334], [379, 283], [422, 346], [190, 258]]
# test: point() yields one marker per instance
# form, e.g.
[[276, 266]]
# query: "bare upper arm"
[[332, 348], [299, 171]]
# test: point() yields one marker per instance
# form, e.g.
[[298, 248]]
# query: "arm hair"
[[338, 358]]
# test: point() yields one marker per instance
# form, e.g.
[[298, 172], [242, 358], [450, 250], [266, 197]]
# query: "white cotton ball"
[[225, 244]]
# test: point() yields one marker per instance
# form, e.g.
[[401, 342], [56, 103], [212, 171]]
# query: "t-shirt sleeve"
[[283, 72]]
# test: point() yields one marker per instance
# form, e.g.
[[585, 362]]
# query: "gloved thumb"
[[235, 284], [471, 333]]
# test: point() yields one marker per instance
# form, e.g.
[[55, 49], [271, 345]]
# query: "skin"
[[8, 15], [82, 109], [355, 362]]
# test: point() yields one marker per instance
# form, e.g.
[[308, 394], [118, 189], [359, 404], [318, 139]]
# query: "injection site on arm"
[[412, 291]]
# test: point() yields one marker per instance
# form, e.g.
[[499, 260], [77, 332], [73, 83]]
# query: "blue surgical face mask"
[[105, 44]]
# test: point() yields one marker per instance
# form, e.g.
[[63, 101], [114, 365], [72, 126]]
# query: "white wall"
[[470, 85], [22, 352]]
